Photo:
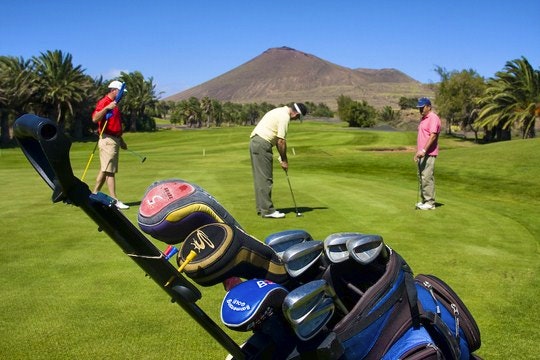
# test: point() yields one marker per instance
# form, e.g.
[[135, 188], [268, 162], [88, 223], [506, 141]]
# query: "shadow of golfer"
[[301, 209]]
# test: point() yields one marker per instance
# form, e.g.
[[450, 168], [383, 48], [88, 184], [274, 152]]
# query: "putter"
[[365, 249], [143, 158], [298, 214], [300, 257], [283, 240], [335, 246]]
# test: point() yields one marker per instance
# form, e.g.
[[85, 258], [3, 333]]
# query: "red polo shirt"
[[114, 125]]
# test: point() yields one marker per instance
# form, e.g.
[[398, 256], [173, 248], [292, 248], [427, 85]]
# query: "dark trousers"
[[262, 166]]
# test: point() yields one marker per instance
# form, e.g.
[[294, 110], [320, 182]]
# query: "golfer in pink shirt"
[[427, 149]]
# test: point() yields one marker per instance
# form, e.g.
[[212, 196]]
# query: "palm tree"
[[217, 112], [232, 113], [16, 88], [141, 94], [61, 85], [206, 107], [511, 98]]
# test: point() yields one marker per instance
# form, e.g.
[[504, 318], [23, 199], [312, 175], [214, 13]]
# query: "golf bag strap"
[[441, 334], [412, 295]]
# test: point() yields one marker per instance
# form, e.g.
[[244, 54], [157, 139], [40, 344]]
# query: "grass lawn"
[[69, 292]]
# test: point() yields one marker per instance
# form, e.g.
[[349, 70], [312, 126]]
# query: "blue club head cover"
[[250, 303]]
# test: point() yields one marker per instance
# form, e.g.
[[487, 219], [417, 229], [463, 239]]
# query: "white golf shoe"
[[426, 206], [120, 205], [275, 215]]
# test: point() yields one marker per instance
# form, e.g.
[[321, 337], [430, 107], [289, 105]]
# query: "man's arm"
[[281, 146], [420, 153], [98, 115]]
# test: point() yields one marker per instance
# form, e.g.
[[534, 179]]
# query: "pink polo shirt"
[[430, 124]]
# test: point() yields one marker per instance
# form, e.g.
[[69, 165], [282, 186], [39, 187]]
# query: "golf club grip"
[[117, 99]]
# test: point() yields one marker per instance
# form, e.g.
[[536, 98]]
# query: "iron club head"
[[366, 248], [335, 246], [283, 240], [301, 257]]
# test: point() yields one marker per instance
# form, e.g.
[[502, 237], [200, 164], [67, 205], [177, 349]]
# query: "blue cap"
[[423, 102]]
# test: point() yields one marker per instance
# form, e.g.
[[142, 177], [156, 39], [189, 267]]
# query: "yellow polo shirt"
[[273, 125]]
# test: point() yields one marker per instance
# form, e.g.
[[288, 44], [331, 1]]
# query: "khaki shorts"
[[109, 149]]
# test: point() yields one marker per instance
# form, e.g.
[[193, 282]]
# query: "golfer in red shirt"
[[110, 140]]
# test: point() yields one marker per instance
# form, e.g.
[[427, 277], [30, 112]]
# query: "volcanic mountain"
[[282, 75]]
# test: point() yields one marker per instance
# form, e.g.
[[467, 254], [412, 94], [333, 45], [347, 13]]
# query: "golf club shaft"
[[93, 151], [292, 194], [419, 172], [143, 158]]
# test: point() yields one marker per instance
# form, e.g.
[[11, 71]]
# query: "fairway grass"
[[69, 292]]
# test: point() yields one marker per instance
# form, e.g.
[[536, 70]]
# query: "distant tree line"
[[51, 86], [511, 99], [205, 112]]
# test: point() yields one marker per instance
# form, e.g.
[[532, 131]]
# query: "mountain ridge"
[[282, 75]]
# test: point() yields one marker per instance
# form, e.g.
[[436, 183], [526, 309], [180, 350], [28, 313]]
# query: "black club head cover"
[[223, 251]]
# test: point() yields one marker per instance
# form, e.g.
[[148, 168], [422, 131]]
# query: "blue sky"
[[181, 44]]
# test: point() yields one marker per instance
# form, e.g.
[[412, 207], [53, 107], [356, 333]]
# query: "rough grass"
[[69, 292]]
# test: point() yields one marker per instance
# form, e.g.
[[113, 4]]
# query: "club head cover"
[[171, 209], [223, 251], [250, 303]]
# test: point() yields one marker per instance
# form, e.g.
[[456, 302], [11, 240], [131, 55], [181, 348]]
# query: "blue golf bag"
[[401, 317]]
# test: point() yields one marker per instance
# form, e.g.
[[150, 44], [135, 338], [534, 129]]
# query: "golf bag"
[[400, 317]]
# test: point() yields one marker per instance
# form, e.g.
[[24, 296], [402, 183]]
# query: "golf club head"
[[308, 308], [335, 246], [283, 240], [366, 248], [316, 320], [299, 258], [301, 301]]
